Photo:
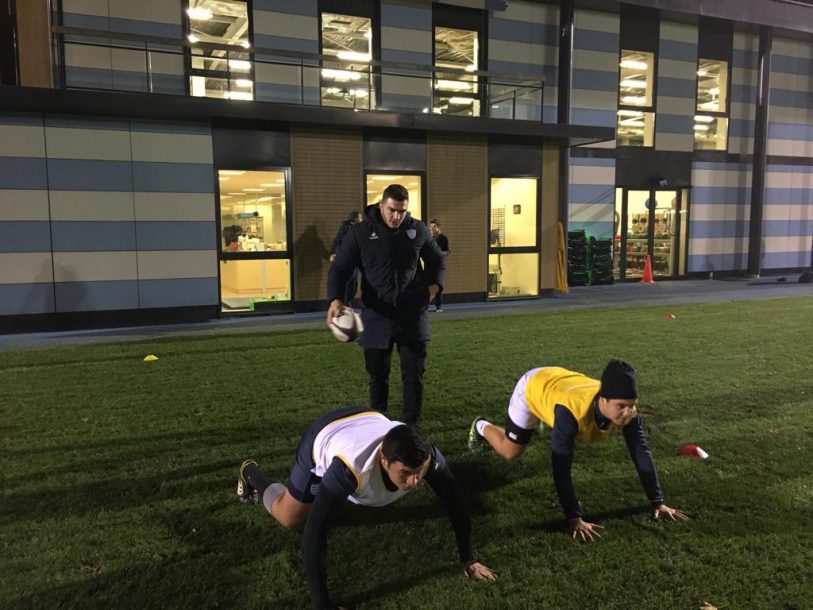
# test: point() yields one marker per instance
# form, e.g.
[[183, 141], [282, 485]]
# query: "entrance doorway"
[[650, 222]]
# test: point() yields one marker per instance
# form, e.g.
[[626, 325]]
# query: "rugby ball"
[[347, 326]]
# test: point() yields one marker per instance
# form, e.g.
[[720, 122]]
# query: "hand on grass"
[[666, 512], [587, 531], [478, 571]]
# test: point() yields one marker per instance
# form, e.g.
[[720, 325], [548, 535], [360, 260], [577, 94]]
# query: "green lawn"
[[118, 475]]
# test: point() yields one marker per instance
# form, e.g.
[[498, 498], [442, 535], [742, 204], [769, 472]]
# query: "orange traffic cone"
[[648, 279]]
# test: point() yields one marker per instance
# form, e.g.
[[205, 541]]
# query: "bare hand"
[[332, 257], [666, 512], [336, 307], [478, 571], [587, 531]]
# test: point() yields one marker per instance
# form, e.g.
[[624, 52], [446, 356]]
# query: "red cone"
[[693, 451], [648, 279]]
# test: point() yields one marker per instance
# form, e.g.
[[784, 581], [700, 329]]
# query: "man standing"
[[576, 408], [443, 244], [389, 246], [359, 455], [353, 218]]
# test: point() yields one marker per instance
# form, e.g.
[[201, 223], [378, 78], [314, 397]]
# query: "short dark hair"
[[353, 215], [434, 221], [395, 191], [407, 444]]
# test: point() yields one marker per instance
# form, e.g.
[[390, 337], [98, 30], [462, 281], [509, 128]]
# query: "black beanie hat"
[[618, 381]]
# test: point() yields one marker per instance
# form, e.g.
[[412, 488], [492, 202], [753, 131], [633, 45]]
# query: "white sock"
[[481, 427], [271, 493]]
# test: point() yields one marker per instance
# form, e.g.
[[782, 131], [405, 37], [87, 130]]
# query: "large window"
[[346, 78], [254, 252], [219, 63], [457, 53], [711, 120], [513, 248], [636, 106], [376, 183]]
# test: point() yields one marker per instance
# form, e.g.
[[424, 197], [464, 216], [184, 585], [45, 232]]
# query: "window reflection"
[[711, 120], [252, 211], [636, 117], [456, 92], [217, 71], [345, 81], [513, 275]]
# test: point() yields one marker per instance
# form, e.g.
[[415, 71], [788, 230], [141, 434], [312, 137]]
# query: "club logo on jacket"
[[411, 233], [373, 235]]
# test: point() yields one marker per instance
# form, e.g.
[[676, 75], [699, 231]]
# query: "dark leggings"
[[413, 365]]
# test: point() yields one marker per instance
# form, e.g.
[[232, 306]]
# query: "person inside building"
[[443, 244], [577, 409], [356, 454], [402, 269]]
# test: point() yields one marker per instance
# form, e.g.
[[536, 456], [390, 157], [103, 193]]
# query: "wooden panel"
[[326, 174], [33, 29], [457, 189], [550, 217]]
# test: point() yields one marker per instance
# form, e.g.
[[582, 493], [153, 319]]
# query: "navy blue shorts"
[[302, 483]]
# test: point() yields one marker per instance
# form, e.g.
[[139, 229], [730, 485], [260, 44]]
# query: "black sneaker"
[[245, 490], [477, 444]]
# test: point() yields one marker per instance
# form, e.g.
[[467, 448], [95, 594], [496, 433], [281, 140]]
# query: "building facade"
[[184, 159]]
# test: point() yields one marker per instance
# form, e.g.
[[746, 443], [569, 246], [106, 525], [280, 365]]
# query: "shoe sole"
[[245, 492]]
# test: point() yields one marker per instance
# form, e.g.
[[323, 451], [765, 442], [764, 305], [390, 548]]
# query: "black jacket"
[[344, 228], [394, 283]]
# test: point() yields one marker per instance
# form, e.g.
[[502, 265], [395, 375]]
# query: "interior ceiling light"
[[245, 44], [452, 85], [701, 127], [359, 92], [470, 68], [634, 64], [239, 65], [239, 95], [634, 100], [341, 75], [632, 123], [632, 83], [232, 172], [637, 113], [193, 38], [223, 178], [253, 190], [199, 14], [353, 56], [710, 105], [701, 118], [461, 100], [243, 82]]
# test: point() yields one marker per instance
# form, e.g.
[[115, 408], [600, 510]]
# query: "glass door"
[[654, 223]]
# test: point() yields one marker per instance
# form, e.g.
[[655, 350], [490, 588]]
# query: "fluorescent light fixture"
[[239, 95], [702, 73], [245, 44], [239, 65], [268, 185], [243, 82], [710, 105], [701, 118], [265, 199], [635, 65], [470, 68], [353, 56], [252, 190], [631, 123], [701, 127], [425, 110], [452, 85], [714, 91], [341, 75], [368, 34], [232, 172], [461, 100], [633, 100], [199, 14], [631, 83], [636, 113], [193, 38], [223, 178], [360, 92]]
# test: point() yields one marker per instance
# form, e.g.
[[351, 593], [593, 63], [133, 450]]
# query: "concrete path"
[[586, 297]]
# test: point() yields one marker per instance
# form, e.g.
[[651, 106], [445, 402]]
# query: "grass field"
[[118, 475]]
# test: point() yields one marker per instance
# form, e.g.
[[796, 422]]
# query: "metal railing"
[[167, 65]]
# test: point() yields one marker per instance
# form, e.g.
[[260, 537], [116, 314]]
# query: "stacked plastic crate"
[[577, 270]]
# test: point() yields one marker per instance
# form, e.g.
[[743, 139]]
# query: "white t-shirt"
[[355, 440]]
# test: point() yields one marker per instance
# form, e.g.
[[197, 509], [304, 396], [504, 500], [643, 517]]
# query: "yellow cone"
[[150, 358]]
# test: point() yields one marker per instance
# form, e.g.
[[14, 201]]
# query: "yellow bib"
[[553, 386]]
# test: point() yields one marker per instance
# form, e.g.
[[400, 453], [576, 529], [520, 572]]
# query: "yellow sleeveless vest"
[[553, 386]]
